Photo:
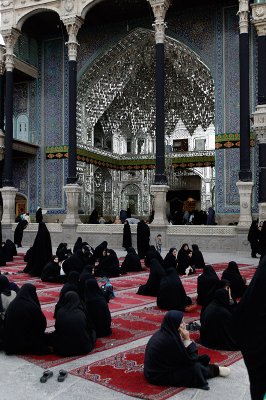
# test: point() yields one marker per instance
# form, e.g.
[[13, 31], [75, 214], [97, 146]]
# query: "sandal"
[[62, 375], [45, 376]]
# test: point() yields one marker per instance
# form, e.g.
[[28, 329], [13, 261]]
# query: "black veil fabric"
[[168, 362], [217, 323], [25, 324], [207, 284], [74, 333], [127, 239], [18, 234], [237, 284], [41, 252], [249, 320], [172, 295], [151, 287], [131, 262], [97, 308], [170, 261], [143, 239]]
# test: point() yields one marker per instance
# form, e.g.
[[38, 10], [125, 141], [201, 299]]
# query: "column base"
[[9, 202], [72, 193], [245, 191], [159, 193]]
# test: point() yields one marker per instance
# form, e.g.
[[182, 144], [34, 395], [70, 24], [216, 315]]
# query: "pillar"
[[72, 189], [245, 183], [259, 21], [2, 87], [8, 191], [160, 188]]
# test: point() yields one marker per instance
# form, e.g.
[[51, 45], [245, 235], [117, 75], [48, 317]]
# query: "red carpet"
[[125, 328], [123, 373]]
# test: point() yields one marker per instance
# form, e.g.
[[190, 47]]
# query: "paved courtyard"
[[19, 379]]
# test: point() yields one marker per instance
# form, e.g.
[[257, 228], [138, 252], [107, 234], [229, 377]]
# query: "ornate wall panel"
[[53, 119]]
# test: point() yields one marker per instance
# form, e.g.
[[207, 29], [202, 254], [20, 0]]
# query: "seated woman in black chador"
[[237, 282], [25, 324], [150, 255], [216, 330], [170, 260], [9, 250], [207, 284], [108, 265], [172, 295], [99, 250], [171, 358], [7, 294], [131, 262], [197, 257], [74, 333], [183, 259], [51, 271], [151, 287], [97, 308], [71, 285]]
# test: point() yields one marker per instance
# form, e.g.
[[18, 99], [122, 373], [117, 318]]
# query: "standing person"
[[18, 234], [253, 238], [41, 252], [127, 239], [211, 217], [38, 215], [123, 215], [158, 243], [143, 238], [171, 357], [262, 240], [250, 324], [94, 217], [27, 217]]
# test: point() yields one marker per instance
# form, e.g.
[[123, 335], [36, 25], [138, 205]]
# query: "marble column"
[[245, 183], [160, 187], [2, 87], [8, 191], [72, 189], [259, 21]]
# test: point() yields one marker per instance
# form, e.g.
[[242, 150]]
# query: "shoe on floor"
[[224, 371]]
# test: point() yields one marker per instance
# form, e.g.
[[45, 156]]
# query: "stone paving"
[[19, 379]]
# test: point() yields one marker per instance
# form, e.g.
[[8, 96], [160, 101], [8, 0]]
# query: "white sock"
[[224, 371]]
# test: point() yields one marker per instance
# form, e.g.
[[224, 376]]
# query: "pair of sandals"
[[48, 374]]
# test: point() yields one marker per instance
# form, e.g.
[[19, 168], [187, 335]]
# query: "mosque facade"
[[112, 45]]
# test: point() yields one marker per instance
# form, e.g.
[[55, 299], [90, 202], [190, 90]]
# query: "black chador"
[[151, 287]]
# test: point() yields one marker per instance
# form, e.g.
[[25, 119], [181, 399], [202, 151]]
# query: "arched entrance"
[[21, 204]]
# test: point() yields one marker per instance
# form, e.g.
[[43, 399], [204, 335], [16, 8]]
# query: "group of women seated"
[[82, 312]]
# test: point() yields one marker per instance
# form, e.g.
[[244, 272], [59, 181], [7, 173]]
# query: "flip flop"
[[62, 375], [45, 376]]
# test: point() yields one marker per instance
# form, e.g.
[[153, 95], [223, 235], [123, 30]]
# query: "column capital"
[[259, 18], [10, 37], [260, 123], [243, 13], [159, 8], [72, 25]]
